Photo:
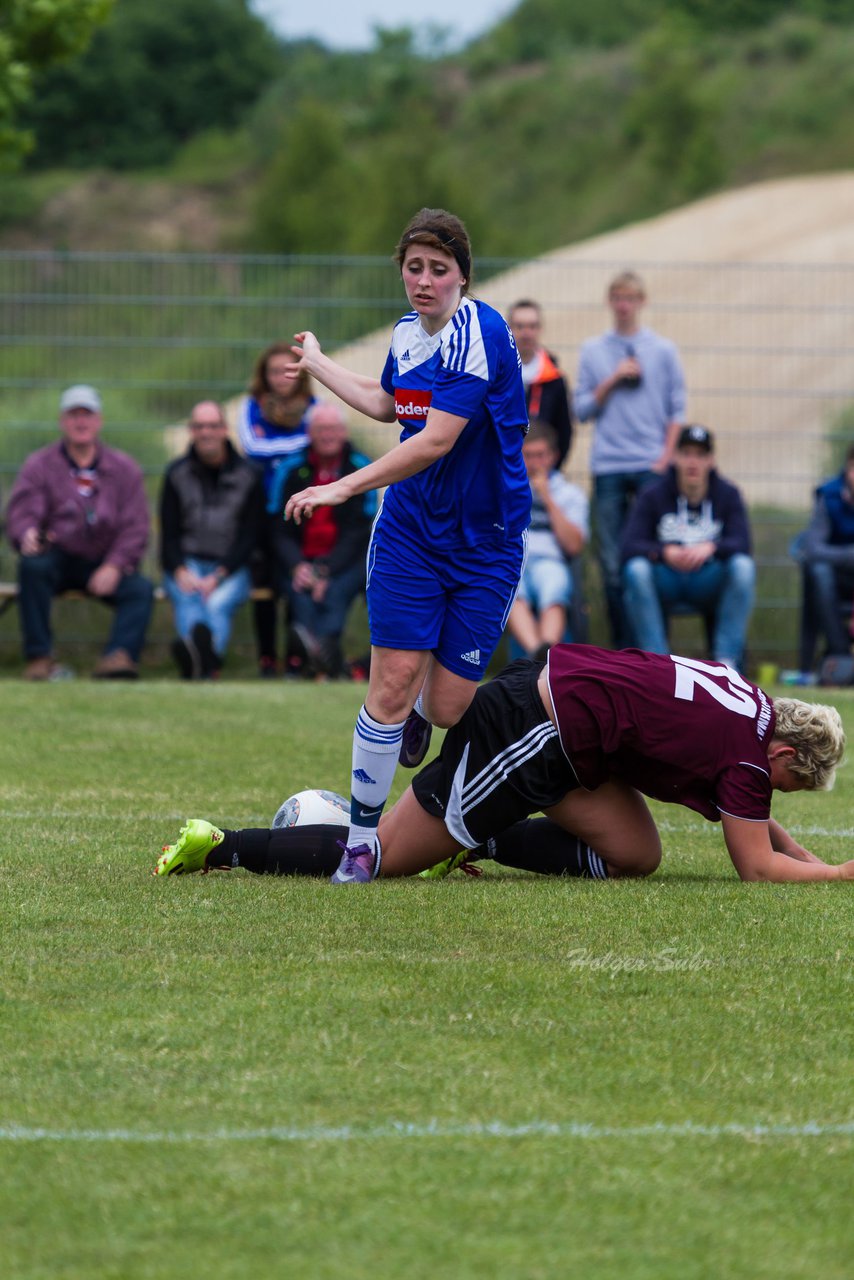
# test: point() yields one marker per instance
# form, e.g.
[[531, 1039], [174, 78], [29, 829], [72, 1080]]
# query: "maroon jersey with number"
[[688, 732]]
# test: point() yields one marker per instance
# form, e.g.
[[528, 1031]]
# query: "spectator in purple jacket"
[[78, 516], [687, 544]]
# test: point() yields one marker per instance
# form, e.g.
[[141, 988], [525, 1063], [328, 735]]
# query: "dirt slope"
[[757, 288]]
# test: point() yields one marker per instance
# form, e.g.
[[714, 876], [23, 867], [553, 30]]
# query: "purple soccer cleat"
[[417, 733], [358, 866]]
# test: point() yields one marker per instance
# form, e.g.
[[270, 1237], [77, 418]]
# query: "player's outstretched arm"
[[360, 392], [405, 459], [784, 843], [755, 858]]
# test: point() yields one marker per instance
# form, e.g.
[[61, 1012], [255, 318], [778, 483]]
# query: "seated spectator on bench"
[[211, 516], [272, 429], [321, 562], [78, 515], [557, 534], [686, 548], [826, 552]]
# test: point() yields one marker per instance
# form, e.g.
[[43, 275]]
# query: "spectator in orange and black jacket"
[[546, 388]]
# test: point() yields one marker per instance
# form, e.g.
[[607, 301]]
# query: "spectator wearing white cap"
[[78, 516]]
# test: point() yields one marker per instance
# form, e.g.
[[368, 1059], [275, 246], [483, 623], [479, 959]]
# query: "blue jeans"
[[42, 577], [613, 494], [827, 586], [721, 589], [217, 612], [326, 619], [545, 583]]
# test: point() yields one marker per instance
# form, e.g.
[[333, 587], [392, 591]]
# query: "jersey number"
[[723, 683]]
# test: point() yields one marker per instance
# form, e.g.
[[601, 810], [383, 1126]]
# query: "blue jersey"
[[265, 442], [479, 491]]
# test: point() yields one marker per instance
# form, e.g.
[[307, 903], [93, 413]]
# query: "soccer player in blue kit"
[[448, 545]]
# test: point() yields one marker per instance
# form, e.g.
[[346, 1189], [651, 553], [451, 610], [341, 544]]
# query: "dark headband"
[[450, 242]]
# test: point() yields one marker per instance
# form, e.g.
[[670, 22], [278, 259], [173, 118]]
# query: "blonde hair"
[[629, 280], [816, 733]]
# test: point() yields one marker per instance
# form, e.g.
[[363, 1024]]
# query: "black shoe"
[[304, 644], [416, 740], [359, 669], [186, 656], [209, 659], [330, 660]]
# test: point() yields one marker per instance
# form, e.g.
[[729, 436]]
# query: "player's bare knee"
[[635, 863], [447, 708], [636, 871], [391, 698], [442, 717]]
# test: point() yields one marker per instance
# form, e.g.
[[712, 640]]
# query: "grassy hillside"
[[534, 153]]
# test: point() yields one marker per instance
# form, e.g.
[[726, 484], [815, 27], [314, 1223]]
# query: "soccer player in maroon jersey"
[[583, 739]]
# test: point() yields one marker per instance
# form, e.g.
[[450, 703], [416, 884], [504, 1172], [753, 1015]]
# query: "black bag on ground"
[[837, 670]]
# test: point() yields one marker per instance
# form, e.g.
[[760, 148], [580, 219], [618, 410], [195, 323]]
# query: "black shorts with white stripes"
[[500, 763]]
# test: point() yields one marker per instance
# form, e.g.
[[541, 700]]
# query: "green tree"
[[153, 76], [535, 29], [668, 118], [304, 202], [35, 34], [737, 15]]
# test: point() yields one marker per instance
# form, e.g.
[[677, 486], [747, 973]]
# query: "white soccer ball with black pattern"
[[308, 808]]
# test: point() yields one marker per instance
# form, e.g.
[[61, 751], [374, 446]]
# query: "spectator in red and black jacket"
[[546, 388], [320, 563]]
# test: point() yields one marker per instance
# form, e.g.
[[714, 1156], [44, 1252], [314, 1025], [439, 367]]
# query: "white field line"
[[47, 815], [256, 819], [433, 1129]]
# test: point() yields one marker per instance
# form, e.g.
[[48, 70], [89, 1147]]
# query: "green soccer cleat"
[[190, 851], [445, 868]]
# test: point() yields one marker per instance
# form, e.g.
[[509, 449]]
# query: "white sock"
[[375, 751]]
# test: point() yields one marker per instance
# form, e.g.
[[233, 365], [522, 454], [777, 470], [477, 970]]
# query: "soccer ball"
[[307, 808]]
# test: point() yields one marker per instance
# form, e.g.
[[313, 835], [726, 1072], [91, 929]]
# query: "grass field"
[[232, 1076]]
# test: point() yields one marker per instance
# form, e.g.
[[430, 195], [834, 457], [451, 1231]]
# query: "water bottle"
[[633, 380]]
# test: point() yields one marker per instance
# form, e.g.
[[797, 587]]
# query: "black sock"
[[285, 851], [224, 853], [538, 844], [313, 850]]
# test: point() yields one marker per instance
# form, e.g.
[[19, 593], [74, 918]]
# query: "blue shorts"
[[455, 605]]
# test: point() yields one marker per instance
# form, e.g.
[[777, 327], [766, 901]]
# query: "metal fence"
[[767, 351]]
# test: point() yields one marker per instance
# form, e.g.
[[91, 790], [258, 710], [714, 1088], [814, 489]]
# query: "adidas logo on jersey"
[[405, 357], [361, 776], [472, 656]]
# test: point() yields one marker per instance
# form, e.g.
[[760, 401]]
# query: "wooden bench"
[[9, 594]]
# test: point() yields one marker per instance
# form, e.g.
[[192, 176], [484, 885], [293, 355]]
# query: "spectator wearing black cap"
[[686, 548]]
